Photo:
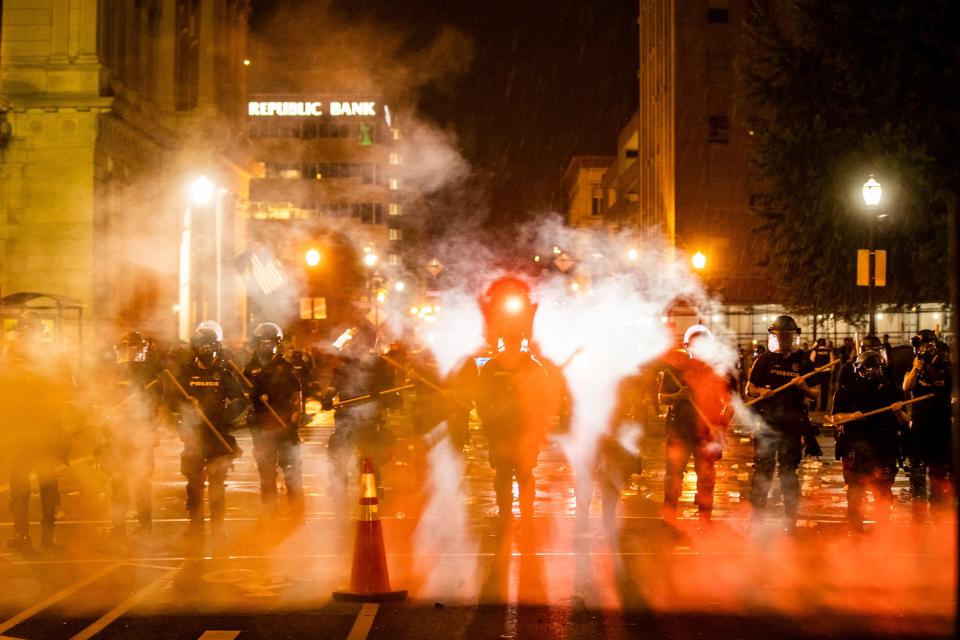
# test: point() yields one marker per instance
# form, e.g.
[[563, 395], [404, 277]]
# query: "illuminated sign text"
[[302, 109]]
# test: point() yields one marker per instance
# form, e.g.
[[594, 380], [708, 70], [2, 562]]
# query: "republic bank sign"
[[308, 109]]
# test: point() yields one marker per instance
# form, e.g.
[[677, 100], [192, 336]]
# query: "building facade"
[[110, 109], [584, 190], [696, 185], [331, 185]]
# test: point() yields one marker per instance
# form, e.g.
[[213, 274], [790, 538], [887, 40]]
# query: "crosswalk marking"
[[364, 622], [58, 596], [215, 635], [100, 624]]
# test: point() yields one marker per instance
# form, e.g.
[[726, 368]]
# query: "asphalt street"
[[467, 576]]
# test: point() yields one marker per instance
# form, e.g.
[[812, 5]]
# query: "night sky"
[[546, 79]]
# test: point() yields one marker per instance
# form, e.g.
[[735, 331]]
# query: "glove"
[[326, 400], [811, 448]]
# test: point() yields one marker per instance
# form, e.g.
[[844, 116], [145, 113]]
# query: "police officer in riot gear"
[[512, 396], [359, 427], [130, 434], [205, 417], [277, 403], [699, 400], [784, 422], [869, 446], [36, 392], [930, 446], [819, 356]]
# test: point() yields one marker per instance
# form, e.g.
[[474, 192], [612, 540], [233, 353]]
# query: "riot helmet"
[[266, 340], [783, 336], [508, 313], [212, 325], [131, 347], [870, 365], [695, 335], [924, 336], [206, 345]]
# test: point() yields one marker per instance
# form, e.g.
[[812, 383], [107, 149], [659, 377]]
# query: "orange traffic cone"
[[369, 581]]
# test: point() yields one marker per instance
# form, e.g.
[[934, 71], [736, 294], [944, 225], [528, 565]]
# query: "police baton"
[[196, 405], [371, 396], [410, 371], [263, 398], [854, 417], [696, 407], [792, 382], [131, 397]]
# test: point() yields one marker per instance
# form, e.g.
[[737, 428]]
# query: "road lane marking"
[[107, 618], [364, 622], [217, 635], [58, 596]]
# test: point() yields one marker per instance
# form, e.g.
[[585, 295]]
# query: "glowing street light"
[[632, 254], [399, 286], [370, 259], [872, 192], [201, 190], [699, 261], [312, 257]]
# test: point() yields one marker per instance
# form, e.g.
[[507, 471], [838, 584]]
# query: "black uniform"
[[513, 405], [869, 447], [819, 357], [360, 426], [687, 432], [204, 457], [36, 392], [276, 444], [130, 438], [779, 438], [930, 445]]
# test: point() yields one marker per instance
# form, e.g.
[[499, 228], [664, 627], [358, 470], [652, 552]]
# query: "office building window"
[[394, 184], [396, 234], [719, 129], [394, 209], [187, 54], [394, 259], [718, 12], [718, 15], [395, 134], [394, 158], [596, 202]]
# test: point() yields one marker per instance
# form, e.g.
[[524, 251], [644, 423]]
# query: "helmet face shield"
[[783, 341], [266, 348], [206, 346], [131, 349], [870, 366]]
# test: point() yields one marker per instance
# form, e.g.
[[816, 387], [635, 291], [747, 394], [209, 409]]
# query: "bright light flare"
[[513, 304], [370, 259], [399, 286], [632, 254], [312, 257], [872, 192], [201, 190], [699, 261]]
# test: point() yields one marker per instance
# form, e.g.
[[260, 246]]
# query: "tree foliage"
[[848, 89]]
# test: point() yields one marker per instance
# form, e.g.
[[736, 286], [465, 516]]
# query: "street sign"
[[434, 267], [563, 262], [863, 268]]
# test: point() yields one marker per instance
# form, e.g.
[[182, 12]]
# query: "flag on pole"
[[266, 270]]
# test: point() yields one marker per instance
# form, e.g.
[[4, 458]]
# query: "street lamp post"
[[872, 192], [370, 260]]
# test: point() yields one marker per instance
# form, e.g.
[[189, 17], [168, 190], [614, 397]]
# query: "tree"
[[849, 89]]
